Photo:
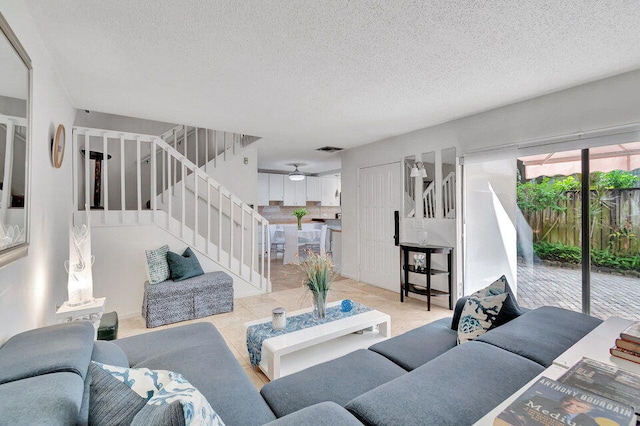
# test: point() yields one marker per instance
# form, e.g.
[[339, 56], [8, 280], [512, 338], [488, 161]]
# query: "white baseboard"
[[352, 277]]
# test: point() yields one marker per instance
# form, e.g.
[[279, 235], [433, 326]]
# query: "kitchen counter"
[[330, 221]]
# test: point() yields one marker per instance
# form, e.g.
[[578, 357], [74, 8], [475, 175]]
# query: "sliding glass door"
[[548, 192], [614, 234], [554, 266]]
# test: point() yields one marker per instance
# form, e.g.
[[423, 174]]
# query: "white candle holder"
[[279, 318]]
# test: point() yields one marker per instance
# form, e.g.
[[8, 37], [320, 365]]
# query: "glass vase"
[[319, 304], [299, 224]]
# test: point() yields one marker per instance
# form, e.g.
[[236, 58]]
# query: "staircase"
[[205, 147], [449, 195], [163, 181], [448, 198], [429, 196], [14, 131]]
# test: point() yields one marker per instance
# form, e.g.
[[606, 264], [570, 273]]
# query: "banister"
[[246, 263]]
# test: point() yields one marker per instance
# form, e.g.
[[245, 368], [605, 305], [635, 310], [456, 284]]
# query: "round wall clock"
[[57, 147]]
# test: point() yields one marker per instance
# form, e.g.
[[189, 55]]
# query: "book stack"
[[628, 345]]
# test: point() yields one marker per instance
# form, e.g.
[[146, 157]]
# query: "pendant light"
[[296, 175]]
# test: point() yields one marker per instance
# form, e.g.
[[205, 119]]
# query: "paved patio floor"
[[611, 295]]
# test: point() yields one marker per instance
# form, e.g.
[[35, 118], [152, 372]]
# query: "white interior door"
[[379, 194]]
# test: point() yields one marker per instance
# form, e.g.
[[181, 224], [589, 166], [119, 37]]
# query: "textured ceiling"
[[303, 74]]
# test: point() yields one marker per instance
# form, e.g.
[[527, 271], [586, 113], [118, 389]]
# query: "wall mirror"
[[428, 175], [408, 202], [449, 183], [15, 74]]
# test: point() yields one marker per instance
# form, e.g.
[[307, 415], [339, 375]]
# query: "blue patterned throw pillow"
[[510, 308], [161, 388], [482, 309], [157, 264], [499, 286]]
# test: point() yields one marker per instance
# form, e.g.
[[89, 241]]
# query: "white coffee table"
[[293, 352]]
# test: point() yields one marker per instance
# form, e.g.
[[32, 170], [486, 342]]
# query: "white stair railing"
[[15, 129], [429, 199], [449, 196], [205, 147], [178, 195]]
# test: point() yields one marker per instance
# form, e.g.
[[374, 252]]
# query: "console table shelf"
[[425, 289], [418, 289], [412, 268]]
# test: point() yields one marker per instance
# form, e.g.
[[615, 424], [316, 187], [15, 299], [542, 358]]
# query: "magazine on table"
[[551, 403], [605, 380]]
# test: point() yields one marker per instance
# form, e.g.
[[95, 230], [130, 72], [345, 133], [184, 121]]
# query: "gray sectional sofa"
[[420, 377]]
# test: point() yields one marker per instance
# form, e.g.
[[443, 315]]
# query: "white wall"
[[121, 123], [31, 288], [605, 103], [119, 271], [239, 178]]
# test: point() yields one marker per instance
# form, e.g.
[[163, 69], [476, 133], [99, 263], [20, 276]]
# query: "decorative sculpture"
[[11, 235], [80, 284]]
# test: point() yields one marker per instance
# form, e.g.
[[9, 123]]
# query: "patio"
[[611, 295]]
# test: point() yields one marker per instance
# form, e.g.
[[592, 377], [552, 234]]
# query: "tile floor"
[[289, 293]]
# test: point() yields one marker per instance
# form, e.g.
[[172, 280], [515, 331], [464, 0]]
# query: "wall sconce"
[[418, 170]]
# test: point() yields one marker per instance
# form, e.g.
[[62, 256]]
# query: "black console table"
[[425, 290]]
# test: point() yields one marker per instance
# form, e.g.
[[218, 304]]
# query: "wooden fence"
[[615, 221]]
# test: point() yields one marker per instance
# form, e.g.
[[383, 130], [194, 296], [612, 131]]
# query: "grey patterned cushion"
[[111, 402], [481, 310], [157, 264], [167, 415], [156, 388]]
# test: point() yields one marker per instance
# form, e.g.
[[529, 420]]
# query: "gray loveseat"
[[420, 377]]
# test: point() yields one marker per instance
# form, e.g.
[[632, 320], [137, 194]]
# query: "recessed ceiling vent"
[[329, 149]]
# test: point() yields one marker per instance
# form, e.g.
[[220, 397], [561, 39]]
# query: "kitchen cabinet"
[[295, 192], [263, 189], [330, 191], [276, 187], [313, 188]]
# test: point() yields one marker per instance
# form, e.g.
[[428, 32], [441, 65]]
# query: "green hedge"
[[570, 254]]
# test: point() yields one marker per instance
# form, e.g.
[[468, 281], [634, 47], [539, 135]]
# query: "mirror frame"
[[19, 251]]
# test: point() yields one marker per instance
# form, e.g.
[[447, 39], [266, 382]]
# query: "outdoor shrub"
[[615, 179], [605, 258], [558, 252], [602, 258]]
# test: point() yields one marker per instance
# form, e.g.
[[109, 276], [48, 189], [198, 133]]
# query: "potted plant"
[[300, 213], [318, 276]]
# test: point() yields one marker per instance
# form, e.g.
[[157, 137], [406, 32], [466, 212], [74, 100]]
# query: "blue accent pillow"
[[185, 266]]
